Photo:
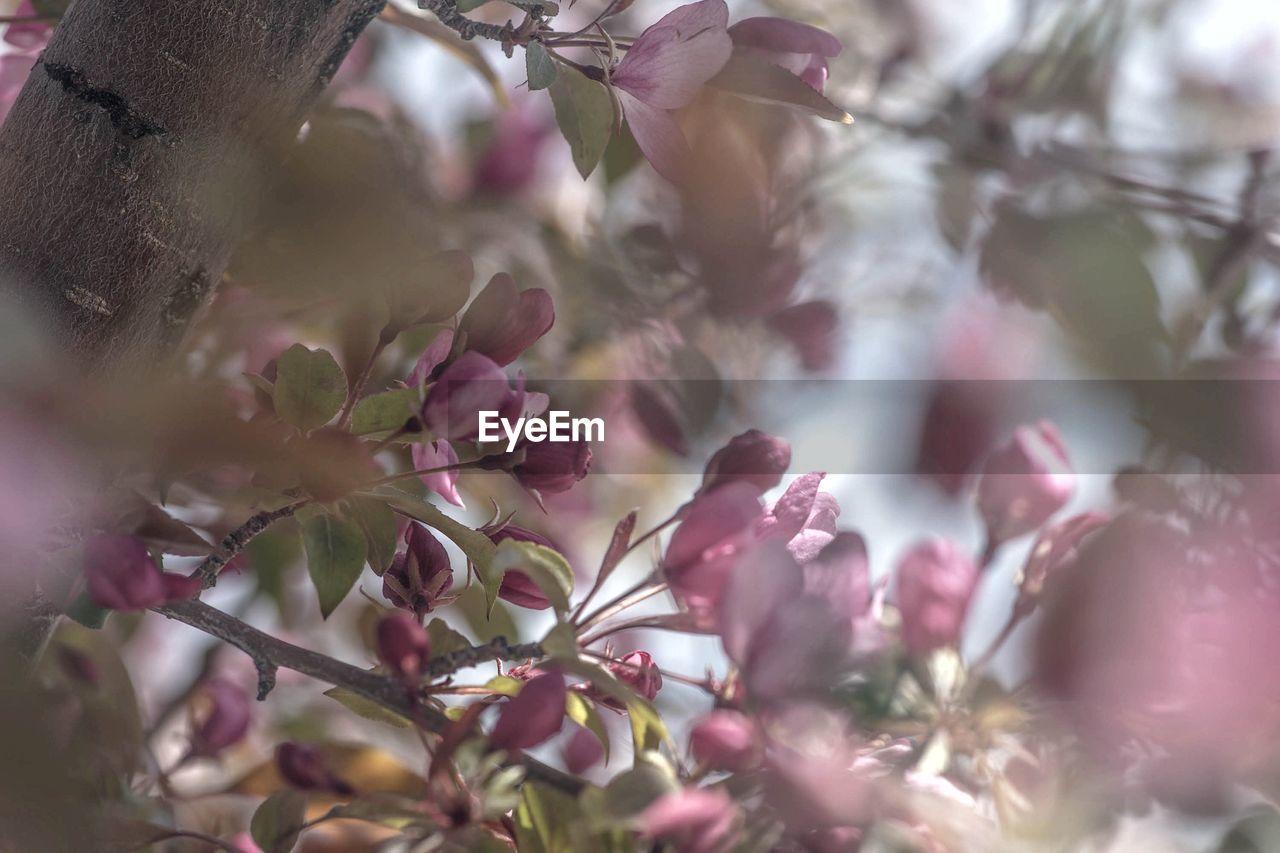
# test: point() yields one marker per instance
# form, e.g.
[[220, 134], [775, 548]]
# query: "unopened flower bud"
[[517, 587], [503, 321], [553, 467], [224, 719], [403, 645], [753, 457], [305, 767], [1024, 482], [583, 751], [935, 585], [419, 576], [534, 715], [638, 671], [726, 740]]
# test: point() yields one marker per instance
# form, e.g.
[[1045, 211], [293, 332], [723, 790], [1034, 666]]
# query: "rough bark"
[[139, 148]]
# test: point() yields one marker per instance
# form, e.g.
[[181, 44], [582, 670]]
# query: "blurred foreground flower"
[[1025, 481], [936, 582]]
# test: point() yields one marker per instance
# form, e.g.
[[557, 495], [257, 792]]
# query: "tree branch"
[[270, 652], [467, 29], [237, 540]]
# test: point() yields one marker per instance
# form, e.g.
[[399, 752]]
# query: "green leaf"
[[539, 65], [758, 80], [310, 387], [378, 522], [648, 732], [584, 712], [470, 5], [277, 823], [444, 639], [83, 610], [544, 819], [335, 557], [50, 8], [479, 549], [584, 112], [544, 566], [505, 685], [632, 791], [365, 708], [385, 411], [561, 642]]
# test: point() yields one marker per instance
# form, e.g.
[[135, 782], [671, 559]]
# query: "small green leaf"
[[545, 818], [362, 707], [444, 639], [561, 642], [583, 711], [544, 566], [584, 112], [335, 557], [378, 522], [470, 5], [277, 823], [479, 548], [386, 411], [505, 685], [648, 731], [759, 80], [310, 387], [88, 614], [632, 791], [539, 65]]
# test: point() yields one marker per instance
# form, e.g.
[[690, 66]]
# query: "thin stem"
[[422, 472], [626, 625], [376, 687], [447, 12], [642, 591], [361, 380], [237, 540]]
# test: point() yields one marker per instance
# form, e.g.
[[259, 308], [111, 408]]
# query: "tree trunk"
[[140, 146]]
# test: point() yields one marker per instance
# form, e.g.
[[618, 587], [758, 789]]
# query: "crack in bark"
[[124, 117]]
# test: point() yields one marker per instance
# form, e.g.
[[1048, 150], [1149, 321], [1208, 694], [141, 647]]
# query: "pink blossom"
[[403, 645], [664, 70], [432, 357], [799, 48], [716, 530], [726, 740], [509, 162], [804, 516], [810, 328], [638, 671], [29, 36], [753, 457], [1025, 481], [428, 455], [470, 385], [535, 714], [225, 718], [693, 820], [504, 321], [120, 575], [421, 571], [936, 582]]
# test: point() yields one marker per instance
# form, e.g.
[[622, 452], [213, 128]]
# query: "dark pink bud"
[[427, 455], [534, 715], [694, 820], [958, 427], [510, 162], [1055, 547], [553, 467], [432, 357], [403, 645], [419, 576], [638, 671], [716, 530], [304, 766], [1025, 481], [223, 719], [472, 384], [121, 575], [810, 328], [753, 457], [180, 587], [503, 321], [726, 740], [583, 751], [936, 582], [517, 587]]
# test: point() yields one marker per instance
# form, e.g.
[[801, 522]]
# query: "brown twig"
[[269, 653], [236, 541]]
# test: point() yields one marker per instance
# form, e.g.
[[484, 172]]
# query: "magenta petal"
[[658, 135], [789, 514], [434, 355], [437, 454], [784, 36], [534, 715], [669, 63]]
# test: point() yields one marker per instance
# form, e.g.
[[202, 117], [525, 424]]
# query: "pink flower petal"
[[784, 36], [659, 136], [669, 63], [434, 355], [437, 454]]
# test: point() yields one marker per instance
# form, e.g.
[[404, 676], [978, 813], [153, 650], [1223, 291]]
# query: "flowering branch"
[[270, 653], [237, 540]]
